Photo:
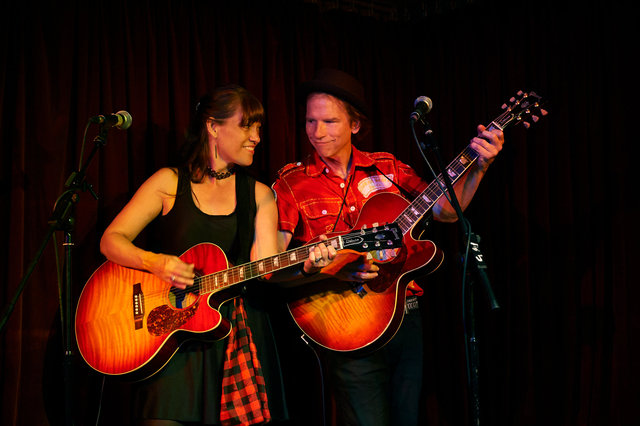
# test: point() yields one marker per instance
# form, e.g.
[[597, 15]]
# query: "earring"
[[215, 150]]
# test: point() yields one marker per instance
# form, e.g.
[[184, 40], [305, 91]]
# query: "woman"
[[208, 198]]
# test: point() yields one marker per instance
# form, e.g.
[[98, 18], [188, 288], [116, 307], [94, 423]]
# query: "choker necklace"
[[221, 175]]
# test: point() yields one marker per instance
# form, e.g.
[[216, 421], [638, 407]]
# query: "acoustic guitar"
[[129, 323]]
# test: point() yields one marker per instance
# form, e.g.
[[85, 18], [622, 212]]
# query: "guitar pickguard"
[[164, 319]]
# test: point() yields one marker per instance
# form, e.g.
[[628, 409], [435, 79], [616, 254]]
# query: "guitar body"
[[129, 323], [359, 319]]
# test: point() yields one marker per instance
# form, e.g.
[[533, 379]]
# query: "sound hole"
[[183, 298]]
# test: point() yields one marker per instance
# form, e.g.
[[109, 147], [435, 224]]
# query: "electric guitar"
[[361, 318], [129, 323]]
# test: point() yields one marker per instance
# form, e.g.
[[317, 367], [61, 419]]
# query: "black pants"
[[383, 388]]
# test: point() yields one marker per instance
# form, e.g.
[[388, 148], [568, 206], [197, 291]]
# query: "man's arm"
[[488, 143]]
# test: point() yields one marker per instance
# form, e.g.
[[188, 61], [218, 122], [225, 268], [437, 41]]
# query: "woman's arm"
[[265, 241], [153, 196]]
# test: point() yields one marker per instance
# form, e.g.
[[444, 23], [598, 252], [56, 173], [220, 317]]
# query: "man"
[[326, 193]]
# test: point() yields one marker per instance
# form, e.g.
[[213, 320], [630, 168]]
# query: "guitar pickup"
[[359, 290], [138, 306]]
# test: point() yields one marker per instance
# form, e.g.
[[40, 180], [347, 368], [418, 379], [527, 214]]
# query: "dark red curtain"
[[555, 212]]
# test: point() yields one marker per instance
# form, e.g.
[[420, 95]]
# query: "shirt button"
[[342, 185], [324, 212], [352, 208], [326, 170]]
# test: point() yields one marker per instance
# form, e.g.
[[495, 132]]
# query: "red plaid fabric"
[[244, 396]]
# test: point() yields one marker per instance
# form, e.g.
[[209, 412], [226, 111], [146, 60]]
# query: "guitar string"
[[433, 191], [241, 273], [234, 275]]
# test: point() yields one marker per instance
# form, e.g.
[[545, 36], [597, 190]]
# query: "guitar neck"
[[224, 279], [430, 196]]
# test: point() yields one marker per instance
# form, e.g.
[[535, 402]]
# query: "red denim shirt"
[[310, 196]]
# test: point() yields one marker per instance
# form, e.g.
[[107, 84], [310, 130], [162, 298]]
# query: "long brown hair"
[[219, 105]]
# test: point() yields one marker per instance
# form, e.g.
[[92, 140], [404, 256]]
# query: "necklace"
[[221, 175]]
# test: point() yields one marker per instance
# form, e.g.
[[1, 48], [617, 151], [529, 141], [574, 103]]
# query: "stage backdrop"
[[556, 212]]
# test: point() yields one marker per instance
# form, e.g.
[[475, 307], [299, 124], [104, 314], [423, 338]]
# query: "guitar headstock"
[[381, 237], [525, 108]]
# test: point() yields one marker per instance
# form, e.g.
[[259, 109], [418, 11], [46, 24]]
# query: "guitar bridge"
[[138, 306]]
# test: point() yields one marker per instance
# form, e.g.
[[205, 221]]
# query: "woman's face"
[[235, 143]]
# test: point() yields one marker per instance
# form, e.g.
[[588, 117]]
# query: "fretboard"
[[220, 280], [430, 196]]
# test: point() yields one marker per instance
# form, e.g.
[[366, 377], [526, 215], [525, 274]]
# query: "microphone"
[[120, 120], [422, 106]]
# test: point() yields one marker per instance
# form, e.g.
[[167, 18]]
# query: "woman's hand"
[[171, 269]]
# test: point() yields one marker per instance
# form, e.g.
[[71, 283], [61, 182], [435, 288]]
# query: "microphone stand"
[[477, 270], [63, 219]]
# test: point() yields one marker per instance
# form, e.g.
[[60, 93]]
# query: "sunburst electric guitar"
[[359, 319], [129, 323]]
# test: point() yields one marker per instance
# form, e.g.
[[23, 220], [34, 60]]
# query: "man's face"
[[329, 127]]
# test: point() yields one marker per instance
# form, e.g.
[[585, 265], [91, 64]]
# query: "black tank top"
[[185, 225], [200, 363]]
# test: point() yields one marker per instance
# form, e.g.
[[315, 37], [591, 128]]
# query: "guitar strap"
[[403, 191], [413, 288], [425, 221], [344, 199], [245, 213]]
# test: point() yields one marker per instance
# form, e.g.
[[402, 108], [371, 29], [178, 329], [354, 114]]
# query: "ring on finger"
[[173, 277]]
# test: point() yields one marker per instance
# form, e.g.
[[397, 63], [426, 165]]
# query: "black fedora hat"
[[339, 84]]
